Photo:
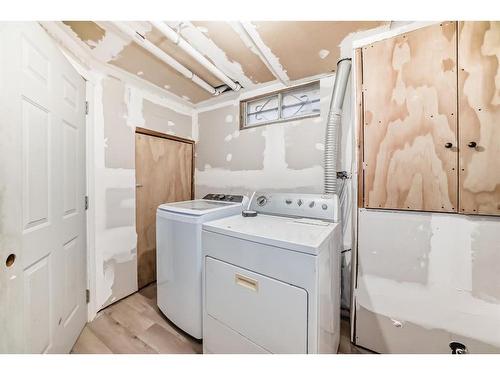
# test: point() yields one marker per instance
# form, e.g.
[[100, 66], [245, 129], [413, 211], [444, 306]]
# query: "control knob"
[[262, 200]]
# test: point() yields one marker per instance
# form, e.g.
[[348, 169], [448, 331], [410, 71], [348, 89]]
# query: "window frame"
[[279, 93]]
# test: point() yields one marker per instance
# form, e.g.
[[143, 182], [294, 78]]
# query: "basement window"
[[285, 105]]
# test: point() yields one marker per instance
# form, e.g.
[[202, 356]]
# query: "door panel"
[[479, 89], [163, 174], [410, 111], [37, 306], [43, 170]]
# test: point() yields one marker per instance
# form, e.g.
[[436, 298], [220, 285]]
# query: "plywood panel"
[[479, 121], [163, 174], [410, 114]]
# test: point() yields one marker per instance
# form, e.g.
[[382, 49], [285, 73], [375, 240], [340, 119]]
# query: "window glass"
[[301, 102], [262, 110], [286, 105]]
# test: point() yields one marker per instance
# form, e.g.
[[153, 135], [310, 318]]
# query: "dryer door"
[[270, 313]]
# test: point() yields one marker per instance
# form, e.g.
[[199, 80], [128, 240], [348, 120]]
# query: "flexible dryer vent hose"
[[333, 125]]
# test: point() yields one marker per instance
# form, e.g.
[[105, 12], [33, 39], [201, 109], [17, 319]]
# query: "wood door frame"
[[154, 133]]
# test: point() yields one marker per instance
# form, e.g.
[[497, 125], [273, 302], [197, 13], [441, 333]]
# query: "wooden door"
[[42, 194], [410, 120], [479, 121], [164, 173]]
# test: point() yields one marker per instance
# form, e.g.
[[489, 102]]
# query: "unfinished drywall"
[[166, 120], [88, 32], [431, 276], [316, 42], [425, 279], [278, 157], [225, 37], [292, 50], [117, 109]]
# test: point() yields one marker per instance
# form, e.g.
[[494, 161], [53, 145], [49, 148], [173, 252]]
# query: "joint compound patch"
[[229, 118], [323, 53], [229, 157], [396, 323]]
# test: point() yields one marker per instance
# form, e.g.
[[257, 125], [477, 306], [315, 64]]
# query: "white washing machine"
[[272, 282], [179, 256]]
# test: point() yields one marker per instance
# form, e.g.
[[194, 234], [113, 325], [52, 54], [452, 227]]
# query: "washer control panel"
[[314, 206], [224, 198]]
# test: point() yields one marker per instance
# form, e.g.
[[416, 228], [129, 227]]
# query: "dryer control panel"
[[314, 206]]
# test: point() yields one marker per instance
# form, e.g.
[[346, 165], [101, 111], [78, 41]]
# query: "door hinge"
[[87, 295], [86, 202], [86, 107]]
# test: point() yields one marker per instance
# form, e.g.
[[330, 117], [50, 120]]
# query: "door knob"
[[138, 185], [448, 145], [472, 144]]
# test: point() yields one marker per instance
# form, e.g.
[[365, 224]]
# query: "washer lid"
[[196, 207], [303, 235]]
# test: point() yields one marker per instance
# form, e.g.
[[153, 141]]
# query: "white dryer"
[[179, 256], [272, 281]]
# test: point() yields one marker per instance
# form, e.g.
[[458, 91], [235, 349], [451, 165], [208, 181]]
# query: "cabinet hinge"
[[86, 107], [87, 295], [86, 202]]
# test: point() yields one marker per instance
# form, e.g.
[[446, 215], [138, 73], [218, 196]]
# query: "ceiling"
[[284, 50]]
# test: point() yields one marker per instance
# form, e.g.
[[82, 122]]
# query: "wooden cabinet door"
[[479, 117], [410, 121], [163, 174]]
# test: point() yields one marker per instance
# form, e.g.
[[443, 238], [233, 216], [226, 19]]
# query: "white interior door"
[[42, 189]]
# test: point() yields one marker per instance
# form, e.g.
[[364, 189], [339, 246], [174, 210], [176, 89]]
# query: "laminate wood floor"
[[135, 325]]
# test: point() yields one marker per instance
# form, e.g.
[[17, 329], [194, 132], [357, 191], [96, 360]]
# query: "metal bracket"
[[86, 202]]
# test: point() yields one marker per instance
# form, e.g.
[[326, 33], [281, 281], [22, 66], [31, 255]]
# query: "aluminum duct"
[[333, 125]]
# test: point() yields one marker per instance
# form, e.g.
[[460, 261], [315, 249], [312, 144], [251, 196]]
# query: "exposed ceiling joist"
[[176, 38], [270, 60], [212, 51], [163, 56]]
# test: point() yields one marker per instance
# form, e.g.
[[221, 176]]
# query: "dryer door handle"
[[246, 282]]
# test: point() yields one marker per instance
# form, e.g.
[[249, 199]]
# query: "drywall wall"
[[119, 107], [281, 157], [425, 279]]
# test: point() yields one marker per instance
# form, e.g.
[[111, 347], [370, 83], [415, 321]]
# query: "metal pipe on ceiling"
[[166, 58], [176, 38]]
